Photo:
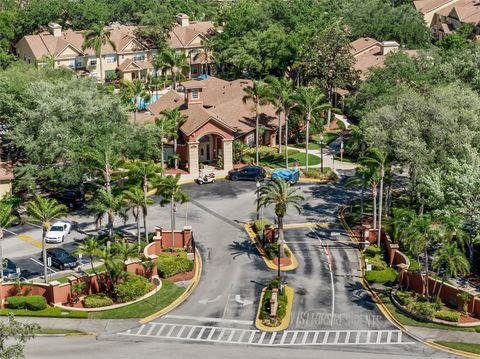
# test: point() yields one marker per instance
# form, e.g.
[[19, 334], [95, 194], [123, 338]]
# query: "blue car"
[[290, 176]]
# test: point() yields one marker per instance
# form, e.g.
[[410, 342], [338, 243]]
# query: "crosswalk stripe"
[[220, 334]]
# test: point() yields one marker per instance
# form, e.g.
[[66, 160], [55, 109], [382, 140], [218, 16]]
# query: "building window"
[[71, 64], [93, 61], [78, 63], [139, 57], [194, 70], [195, 94], [110, 59], [58, 62], [250, 139]]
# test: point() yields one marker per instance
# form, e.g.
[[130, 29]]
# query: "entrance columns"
[[193, 158], [227, 155]]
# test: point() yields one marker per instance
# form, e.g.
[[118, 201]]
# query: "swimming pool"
[[143, 105]]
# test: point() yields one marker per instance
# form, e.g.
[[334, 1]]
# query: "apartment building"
[[130, 59]]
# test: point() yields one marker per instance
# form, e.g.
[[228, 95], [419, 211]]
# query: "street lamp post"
[[341, 148], [321, 153], [257, 194]]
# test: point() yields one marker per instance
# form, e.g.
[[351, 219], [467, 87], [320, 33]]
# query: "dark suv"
[[61, 259], [250, 172], [72, 199]]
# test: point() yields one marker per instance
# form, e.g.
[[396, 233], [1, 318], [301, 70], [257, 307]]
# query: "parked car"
[[71, 199], [61, 259], [10, 271], [290, 176], [249, 172], [57, 232]]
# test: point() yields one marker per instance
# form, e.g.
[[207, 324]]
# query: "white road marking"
[[259, 338], [206, 301], [244, 302], [209, 320], [41, 264]]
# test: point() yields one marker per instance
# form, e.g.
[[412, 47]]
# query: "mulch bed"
[[285, 261]]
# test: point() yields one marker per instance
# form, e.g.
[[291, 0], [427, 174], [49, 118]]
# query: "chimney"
[[388, 46], [183, 19], [55, 29]]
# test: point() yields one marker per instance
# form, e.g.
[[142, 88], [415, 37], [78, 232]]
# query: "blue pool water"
[[143, 105]]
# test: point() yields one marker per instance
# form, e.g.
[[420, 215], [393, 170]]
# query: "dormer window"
[[195, 94]]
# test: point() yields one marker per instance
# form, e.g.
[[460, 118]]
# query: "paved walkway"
[[100, 326], [444, 335]]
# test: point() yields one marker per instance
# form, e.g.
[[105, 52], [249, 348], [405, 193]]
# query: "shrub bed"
[[133, 287], [448, 315], [32, 302], [282, 305], [259, 225], [97, 301], [272, 251], [170, 265], [316, 173]]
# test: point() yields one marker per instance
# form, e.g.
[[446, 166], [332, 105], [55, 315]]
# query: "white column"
[[193, 167], [227, 155]]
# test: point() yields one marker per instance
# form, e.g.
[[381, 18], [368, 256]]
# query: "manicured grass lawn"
[[345, 158], [278, 161], [57, 331], [144, 308], [467, 347], [406, 320], [327, 137], [48, 312], [311, 145]]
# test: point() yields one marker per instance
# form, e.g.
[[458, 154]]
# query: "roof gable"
[[68, 51]]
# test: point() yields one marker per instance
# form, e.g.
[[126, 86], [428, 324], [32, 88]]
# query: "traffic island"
[[287, 263], [274, 309]]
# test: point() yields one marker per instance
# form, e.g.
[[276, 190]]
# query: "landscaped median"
[[275, 319], [269, 254]]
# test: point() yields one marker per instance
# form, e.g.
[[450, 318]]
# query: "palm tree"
[[453, 262], [107, 203], [361, 178], [6, 220], [114, 265], [310, 101], [175, 116], [42, 211], [91, 248], [166, 129], [96, 38], [143, 173], [102, 160], [135, 200], [175, 62], [282, 97], [279, 194], [257, 93], [125, 250], [171, 192], [207, 52], [377, 159], [135, 89]]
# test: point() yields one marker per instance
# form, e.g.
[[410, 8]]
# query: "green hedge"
[[133, 287], [381, 276], [316, 173], [282, 305], [259, 225], [97, 301], [448, 315], [272, 251], [171, 265], [32, 302]]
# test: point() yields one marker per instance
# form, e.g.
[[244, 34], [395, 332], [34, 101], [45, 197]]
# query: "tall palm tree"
[[171, 192], [143, 173], [42, 211], [281, 93], [125, 250], [6, 220], [361, 178], [377, 159], [96, 38], [279, 194], [175, 116], [135, 89], [310, 101], [453, 262], [174, 62], [258, 93], [135, 200], [110, 204], [207, 53], [166, 129], [103, 160], [114, 265], [91, 248]]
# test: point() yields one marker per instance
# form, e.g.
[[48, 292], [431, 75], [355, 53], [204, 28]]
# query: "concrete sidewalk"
[[99, 326], [444, 335]]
